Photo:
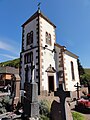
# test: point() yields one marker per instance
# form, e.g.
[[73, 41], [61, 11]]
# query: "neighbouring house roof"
[[36, 15], [51, 69], [8, 70]]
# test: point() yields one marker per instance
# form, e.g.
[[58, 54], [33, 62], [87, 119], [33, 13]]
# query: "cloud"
[[8, 56], [9, 45], [5, 46]]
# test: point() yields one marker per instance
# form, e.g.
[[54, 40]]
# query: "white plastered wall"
[[31, 26], [68, 75], [48, 56]]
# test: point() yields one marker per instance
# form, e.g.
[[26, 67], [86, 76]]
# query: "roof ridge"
[[38, 12]]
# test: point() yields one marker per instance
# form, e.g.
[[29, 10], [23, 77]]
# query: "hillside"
[[87, 70], [12, 63], [15, 63]]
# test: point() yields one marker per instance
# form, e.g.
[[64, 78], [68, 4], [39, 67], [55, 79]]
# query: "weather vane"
[[39, 5]]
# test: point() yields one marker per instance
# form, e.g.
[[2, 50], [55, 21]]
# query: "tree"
[[84, 77], [80, 68]]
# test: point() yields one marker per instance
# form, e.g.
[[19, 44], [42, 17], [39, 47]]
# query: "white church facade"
[[54, 64]]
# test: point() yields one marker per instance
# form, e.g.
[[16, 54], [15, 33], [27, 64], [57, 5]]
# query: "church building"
[[54, 64]]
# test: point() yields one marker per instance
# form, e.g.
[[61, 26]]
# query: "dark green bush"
[[5, 104]]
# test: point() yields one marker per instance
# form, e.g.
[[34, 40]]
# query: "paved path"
[[87, 116]]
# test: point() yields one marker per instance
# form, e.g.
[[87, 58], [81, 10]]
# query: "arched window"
[[46, 37], [72, 70], [30, 38], [49, 39]]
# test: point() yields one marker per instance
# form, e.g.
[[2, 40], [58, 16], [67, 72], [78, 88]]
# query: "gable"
[[51, 69]]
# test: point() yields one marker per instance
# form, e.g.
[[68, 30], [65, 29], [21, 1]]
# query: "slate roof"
[[66, 51], [36, 14], [8, 70]]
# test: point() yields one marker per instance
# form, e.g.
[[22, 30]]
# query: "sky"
[[71, 17]]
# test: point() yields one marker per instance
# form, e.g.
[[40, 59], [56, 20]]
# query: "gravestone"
[[31, 106], [59, 110], [55, 113]]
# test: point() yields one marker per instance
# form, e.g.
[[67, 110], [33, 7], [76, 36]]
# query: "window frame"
[[29, 38], [48, 38], [72, 70], [28, 57]]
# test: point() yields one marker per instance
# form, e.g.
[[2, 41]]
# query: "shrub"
[[44, 107], [5, 104], [43, 117]]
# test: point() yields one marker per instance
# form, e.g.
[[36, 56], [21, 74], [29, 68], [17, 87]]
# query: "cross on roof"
[[62, 95], [39, 5]]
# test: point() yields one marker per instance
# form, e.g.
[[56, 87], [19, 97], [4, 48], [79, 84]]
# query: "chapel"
[[53, 63]]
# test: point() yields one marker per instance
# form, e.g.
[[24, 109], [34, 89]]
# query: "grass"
[[78, 116]]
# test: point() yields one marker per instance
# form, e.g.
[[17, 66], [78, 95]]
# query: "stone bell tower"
[[38, 39]]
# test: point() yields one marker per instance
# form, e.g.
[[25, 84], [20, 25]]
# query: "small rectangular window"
[[72, 71], [28, 57], [48, 38]]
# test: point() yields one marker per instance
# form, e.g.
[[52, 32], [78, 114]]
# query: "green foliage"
[[84, 74], [85, 79], [43, 117], [5, 104], [87, 70], [2, 110], [44, 107], [13, 63], [80, 68], [78, 116], [7, 99]]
